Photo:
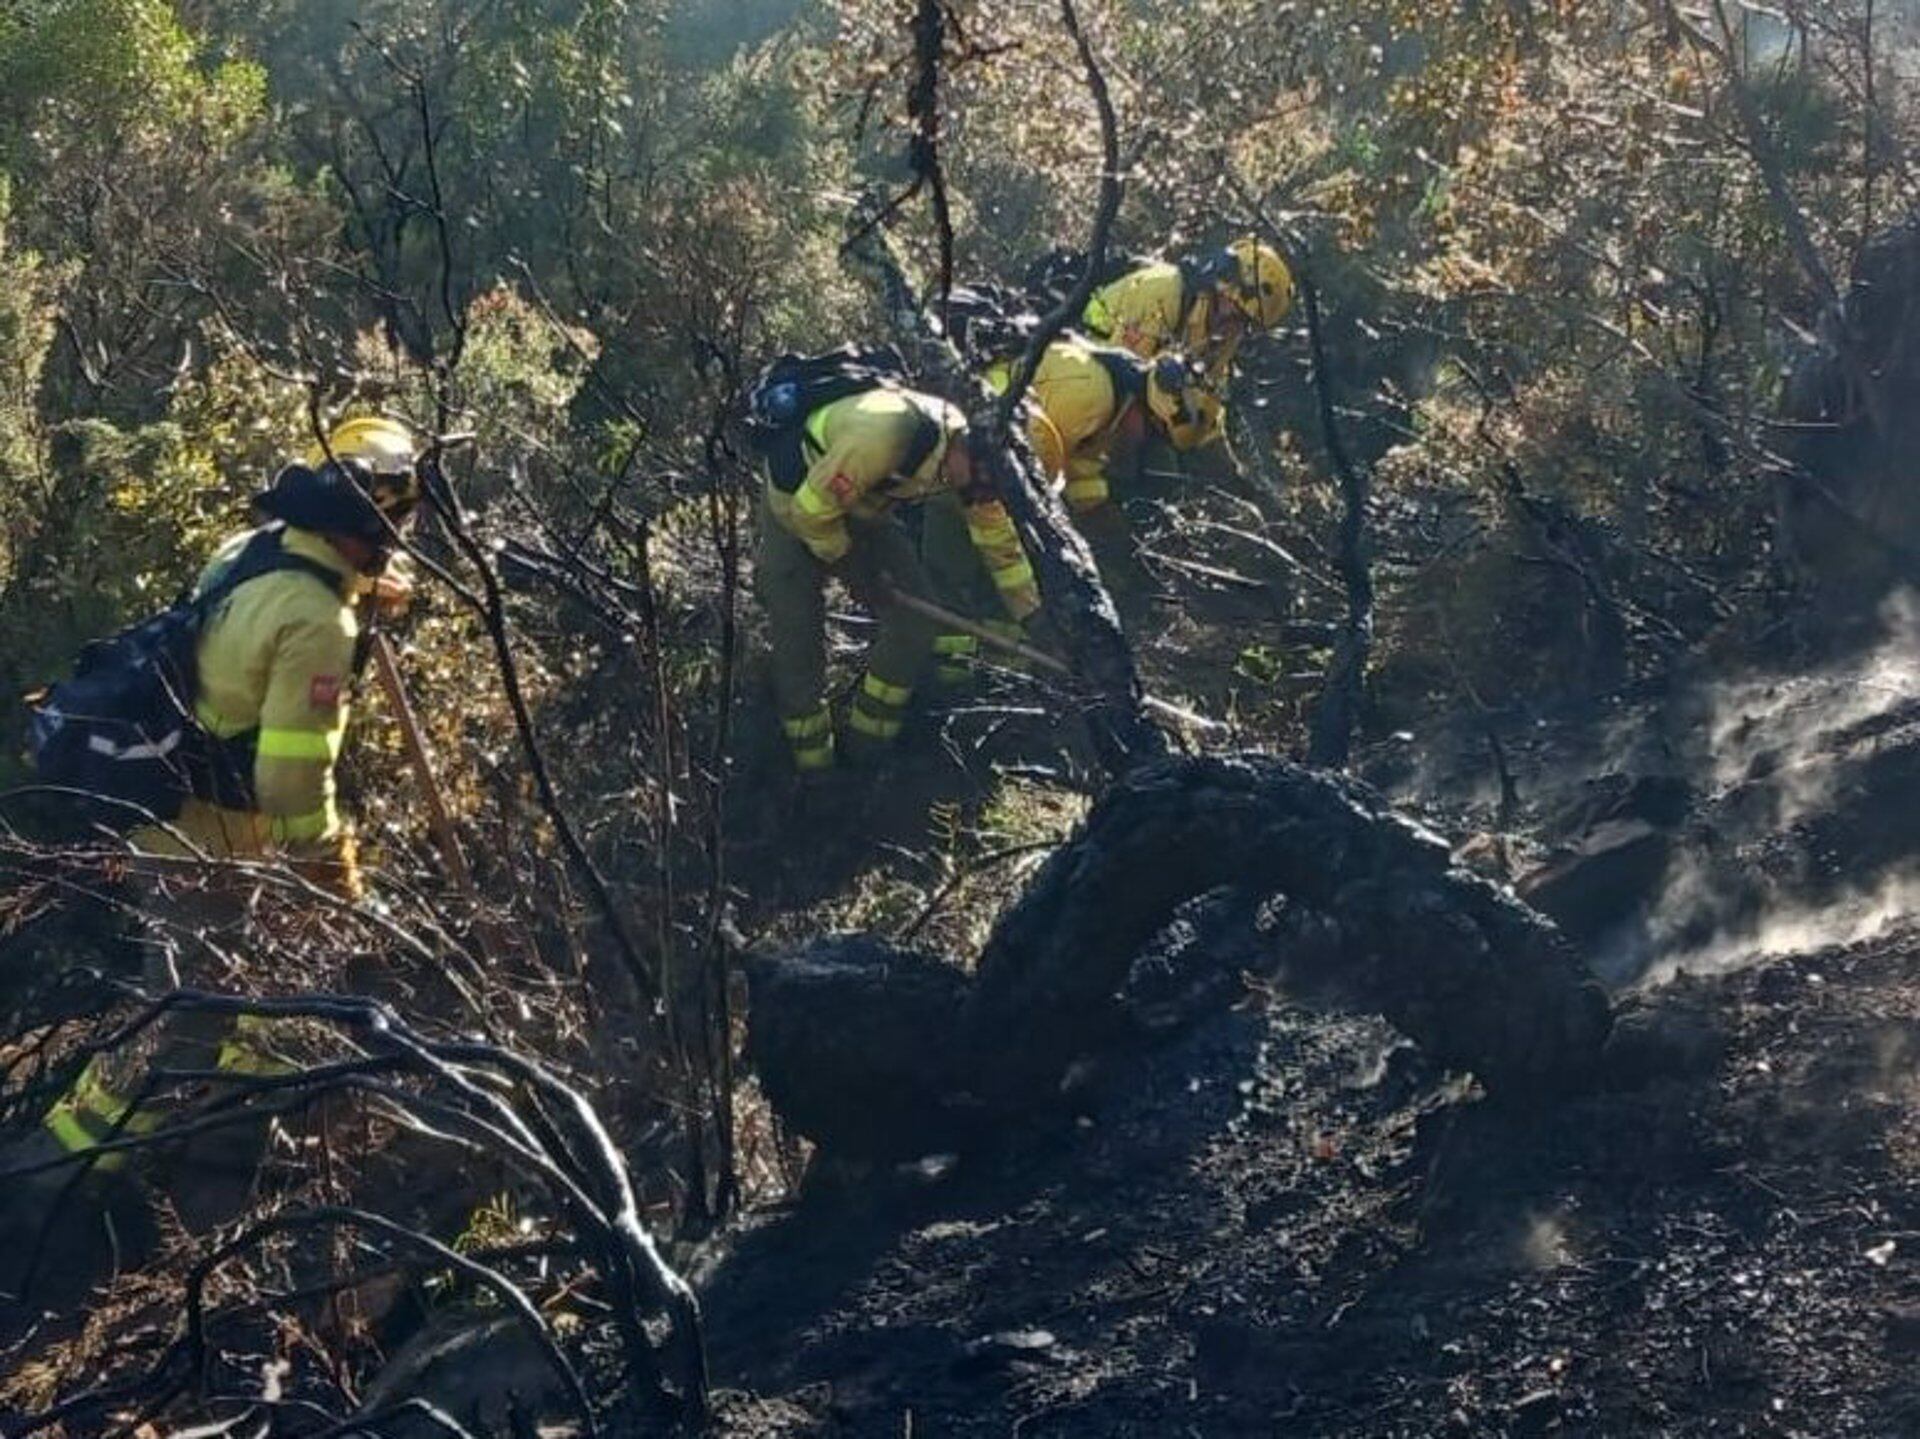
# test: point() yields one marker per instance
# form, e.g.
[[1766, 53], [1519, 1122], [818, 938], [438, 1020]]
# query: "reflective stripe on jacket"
[[858, 448]]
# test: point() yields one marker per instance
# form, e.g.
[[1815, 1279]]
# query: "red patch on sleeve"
[[324, 692], [843, 490]]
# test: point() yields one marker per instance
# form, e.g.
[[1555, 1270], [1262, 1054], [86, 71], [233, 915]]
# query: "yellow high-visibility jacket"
[[857, 449], [1078, 409], [276, 655], [1149, 309]]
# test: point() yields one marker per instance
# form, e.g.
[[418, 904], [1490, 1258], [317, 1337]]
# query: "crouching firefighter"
[[846, 442], [272, 632], [1094, 405], [1089, 411], [1203, 305]]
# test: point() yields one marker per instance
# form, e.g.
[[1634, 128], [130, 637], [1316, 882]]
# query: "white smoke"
[[1851, 917], [1781, 728], [1777, 750]]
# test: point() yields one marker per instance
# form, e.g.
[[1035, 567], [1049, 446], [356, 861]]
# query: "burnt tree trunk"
[[1330, 742]]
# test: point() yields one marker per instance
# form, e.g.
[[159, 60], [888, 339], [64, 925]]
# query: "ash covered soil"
[[1285, 1222]]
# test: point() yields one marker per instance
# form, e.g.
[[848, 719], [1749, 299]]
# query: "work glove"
[[391, 591]]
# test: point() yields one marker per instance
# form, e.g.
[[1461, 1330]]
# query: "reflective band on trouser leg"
[[85, 1117], [247, 1050], [302, 828], [879, 710], [891, 695], [952, 653], [872, 726], [811, 738]]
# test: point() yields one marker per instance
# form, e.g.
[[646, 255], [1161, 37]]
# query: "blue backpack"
[[122, 731]]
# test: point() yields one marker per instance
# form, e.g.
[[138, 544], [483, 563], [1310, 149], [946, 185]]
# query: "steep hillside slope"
[[1286, 1219], [1286, 1223]]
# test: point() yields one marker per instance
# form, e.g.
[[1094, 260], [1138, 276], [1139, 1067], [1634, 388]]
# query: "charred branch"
[[481, 1097]]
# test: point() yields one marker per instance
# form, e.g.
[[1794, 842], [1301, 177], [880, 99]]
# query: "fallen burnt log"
[[877, 1051]]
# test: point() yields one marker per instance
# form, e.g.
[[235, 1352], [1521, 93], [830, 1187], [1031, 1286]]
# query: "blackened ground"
[[1284, 1222]]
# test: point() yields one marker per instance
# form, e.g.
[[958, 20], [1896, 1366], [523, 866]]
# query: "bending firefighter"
[[1203, 307], [276, 656], [848, 445], [1089, 411], [1092, 402]]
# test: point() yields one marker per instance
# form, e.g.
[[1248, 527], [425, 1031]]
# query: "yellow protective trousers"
[[190, 924], [792, 584]]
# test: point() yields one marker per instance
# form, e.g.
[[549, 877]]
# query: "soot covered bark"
[[873, 1050]]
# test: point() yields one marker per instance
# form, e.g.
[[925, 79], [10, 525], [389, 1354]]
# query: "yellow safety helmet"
[[363, 482], [1182, 402], [1258, 282], [390, 454]]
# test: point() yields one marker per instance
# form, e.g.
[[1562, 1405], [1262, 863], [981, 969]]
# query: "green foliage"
[[116, 525], [701, 35], [26, 331], [78, 73], [116, 53], [126, 142]]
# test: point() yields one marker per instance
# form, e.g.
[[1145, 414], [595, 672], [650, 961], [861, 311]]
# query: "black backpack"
[[1052, 276], [794, 386], [122, 731], [988, 322]]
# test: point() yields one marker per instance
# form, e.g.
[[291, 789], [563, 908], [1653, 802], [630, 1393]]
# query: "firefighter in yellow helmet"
[[1091, 400], [1203, 307], [1088, 409], [863, 455], [276, 662]]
